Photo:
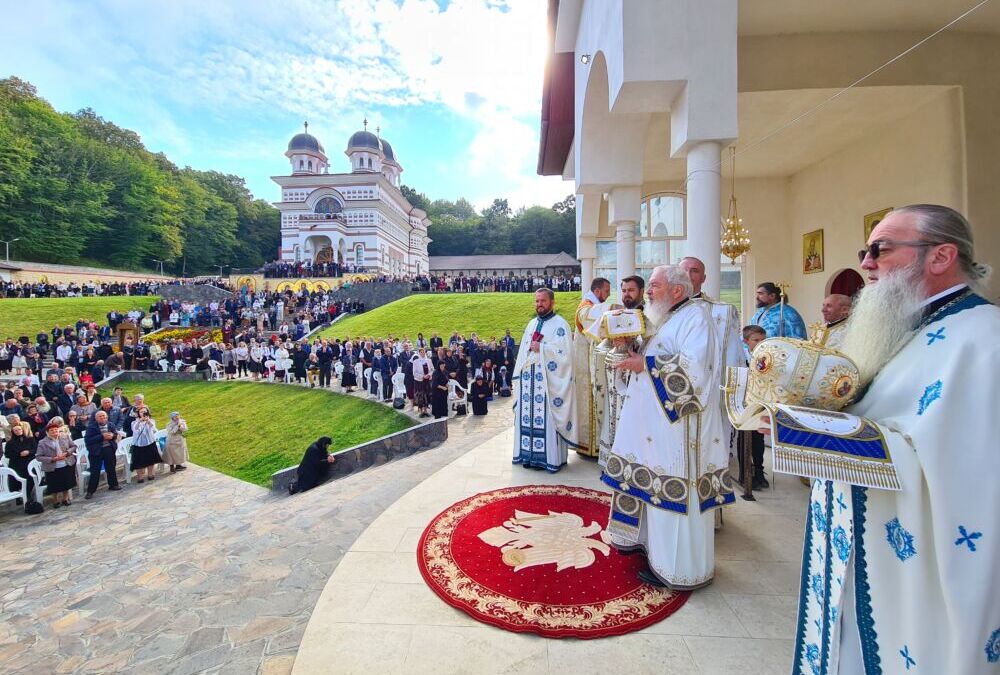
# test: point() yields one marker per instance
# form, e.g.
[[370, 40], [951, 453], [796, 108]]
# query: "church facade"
[[360, 219]]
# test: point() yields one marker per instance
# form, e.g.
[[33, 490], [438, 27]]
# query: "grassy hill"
[[249, 430], [486, 313], [29, 316]]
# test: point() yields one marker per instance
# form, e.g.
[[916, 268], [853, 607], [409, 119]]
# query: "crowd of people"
[[41, 289], [464, 283], [64, 422]]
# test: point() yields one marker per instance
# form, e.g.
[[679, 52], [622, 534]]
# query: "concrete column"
[[623, 214], [704, 225], [586, 273], [586, 251], [625, 240]]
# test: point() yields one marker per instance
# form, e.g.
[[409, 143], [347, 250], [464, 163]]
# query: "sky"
[[454, 85]]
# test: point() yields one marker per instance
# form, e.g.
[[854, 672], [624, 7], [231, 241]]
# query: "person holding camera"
[[175, 453], [145, 453], [57, 455]]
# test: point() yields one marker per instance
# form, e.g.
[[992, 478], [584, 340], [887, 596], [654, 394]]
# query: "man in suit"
[[66, 400], [102, 443]]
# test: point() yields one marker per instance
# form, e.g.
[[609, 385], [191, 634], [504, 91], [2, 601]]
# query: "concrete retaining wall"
[[374, 294], [376, 452]]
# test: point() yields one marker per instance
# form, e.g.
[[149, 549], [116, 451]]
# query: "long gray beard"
[[882, 319], [656, 312]]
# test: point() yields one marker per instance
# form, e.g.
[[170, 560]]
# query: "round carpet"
[[534, 558]]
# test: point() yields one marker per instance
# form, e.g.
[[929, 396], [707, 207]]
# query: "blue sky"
[[455, 86]]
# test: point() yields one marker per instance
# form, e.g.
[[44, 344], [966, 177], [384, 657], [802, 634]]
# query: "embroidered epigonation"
[[900, 540], [967, 538], [931, 394], [936, 335]]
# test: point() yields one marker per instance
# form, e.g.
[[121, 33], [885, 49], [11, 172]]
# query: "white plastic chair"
[[8, 495], [453, 398], [377, 378], [216, 369], [36, 473]]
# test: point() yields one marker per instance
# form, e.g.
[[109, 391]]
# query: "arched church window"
[[328, 205], [310, 165], [369, 162], [301, 164], [359, 255]]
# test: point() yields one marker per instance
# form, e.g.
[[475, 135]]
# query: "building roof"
[[387, 150], [502, 262], [363, 140], [304, 142]]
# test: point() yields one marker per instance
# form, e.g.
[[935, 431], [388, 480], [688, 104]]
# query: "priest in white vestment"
[[592, 306], [669, 465], [902, 545], [545, 423]]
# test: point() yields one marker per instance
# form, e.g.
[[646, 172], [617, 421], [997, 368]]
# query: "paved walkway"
[[195, 572], [376, 614]]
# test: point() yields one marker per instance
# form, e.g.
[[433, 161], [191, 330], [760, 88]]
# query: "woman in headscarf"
[[57, 455], [314, 467], [479, 395], [348, 380], [439, 391], [423, 373], [176, 451]]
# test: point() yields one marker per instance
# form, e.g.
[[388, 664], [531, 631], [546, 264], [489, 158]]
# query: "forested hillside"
[[77, 188]]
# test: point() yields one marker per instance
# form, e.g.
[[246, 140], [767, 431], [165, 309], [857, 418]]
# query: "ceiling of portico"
[[848, 119], [775, 17]]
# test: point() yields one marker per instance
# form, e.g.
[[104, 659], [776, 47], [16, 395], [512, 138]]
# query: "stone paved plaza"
[[198, 572]]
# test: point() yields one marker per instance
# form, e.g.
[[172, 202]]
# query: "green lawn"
[[486, 313], [249, 430], [30, 316]]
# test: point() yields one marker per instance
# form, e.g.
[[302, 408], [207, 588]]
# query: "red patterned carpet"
[[532, 559]]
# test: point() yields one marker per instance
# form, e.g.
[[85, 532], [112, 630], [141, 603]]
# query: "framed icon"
[[812, 252], [873, 219]]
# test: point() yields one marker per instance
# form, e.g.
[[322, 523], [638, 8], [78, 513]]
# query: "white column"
[[586, 251], [704, 227], [623, 214], [625, 240], [586, 273]]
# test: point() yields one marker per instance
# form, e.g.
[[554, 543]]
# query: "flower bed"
[[186, 335]]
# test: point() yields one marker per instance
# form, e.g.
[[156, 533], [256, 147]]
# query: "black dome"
[[387, 151], [304, 142], [364, 139]]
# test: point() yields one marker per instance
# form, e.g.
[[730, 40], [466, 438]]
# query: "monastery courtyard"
[[203, 573]]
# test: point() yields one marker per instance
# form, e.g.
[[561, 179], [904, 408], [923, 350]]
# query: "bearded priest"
[[545, 423], [901, 554], [669, 465], [591, 308]]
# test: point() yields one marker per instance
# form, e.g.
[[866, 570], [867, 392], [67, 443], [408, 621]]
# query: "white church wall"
[[920, 158]]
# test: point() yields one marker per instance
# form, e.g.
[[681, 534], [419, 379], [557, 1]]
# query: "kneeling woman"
[[479, 394], [314, 467]]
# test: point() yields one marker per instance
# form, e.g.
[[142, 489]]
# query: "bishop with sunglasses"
[[902, 541]]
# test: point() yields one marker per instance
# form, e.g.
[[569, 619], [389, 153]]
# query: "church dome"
[[387, 151], [305, 141], [363, 140]]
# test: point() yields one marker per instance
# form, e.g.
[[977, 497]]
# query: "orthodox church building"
[[358, 219]]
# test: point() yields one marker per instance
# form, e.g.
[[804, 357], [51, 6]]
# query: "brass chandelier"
[[735, 237]]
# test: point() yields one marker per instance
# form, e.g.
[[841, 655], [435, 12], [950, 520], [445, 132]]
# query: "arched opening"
[[359, 255], [319, 249], [328, 205], [845, 282]]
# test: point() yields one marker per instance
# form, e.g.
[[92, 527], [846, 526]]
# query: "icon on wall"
[[873, 219], [812, 251]]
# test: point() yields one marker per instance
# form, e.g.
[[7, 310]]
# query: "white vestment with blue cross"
[[901, 577], [545, 415]]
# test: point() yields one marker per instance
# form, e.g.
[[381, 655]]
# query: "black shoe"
[[89, 495], [760, 483], [293, 488], [115, 488], [647, 576], [57, 505], [181, 467]]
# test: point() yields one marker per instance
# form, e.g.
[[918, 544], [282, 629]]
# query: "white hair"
[[942, 225], [676, 275]]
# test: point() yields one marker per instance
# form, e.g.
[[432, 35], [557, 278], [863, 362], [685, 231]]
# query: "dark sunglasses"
[[880, 246]]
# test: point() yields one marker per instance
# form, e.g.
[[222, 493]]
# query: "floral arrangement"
[[186, 335]]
